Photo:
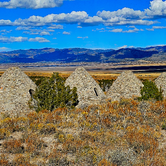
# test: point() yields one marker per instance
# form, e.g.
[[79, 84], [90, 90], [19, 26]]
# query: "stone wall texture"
[[126, 85], [161, 82], [14, 91], [88, 90]]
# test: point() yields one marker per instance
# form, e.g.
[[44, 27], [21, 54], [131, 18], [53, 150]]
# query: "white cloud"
[[95, 20], [155, 27], [54, 26], [159, 27], [38, 39], [126, 13], [100, 29], [21, 39], [12, 39], [51, 30], [73, 17], [131, 22], [79, 37], [23, 28], [33, 4], [148, 29], [157, 9], [68, 18], [44, 33], [132, 26], [40, 32], [124, 16], [66, 33], [116, 30], [128, 16], [131, 30], [126, 31], [79, 26], [31, 33], [5, 22], [4, 31]]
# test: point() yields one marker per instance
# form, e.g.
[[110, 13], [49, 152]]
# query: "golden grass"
[[97, 75]]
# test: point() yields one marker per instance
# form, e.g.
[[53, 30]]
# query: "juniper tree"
[[150, 91], [52, 94]]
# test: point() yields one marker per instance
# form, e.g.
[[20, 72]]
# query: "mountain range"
[[156, 53]]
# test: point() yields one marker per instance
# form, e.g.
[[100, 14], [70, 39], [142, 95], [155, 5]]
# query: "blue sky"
[[106, 24]]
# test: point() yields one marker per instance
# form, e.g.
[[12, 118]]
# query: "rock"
[[89, 92], [126, 85], [15, 88], [161, 82]]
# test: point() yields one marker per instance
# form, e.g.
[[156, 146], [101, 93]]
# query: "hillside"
[[126, 133], [83, 55]]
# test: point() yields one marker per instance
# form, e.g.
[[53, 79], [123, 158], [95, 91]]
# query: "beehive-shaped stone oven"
[[87, 88], [126, 85], [15, 89], [161, 82]]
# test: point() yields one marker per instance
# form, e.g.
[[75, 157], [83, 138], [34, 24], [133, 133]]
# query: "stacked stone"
[[161, 83], [15, 87], [126, 85], [89, 92]]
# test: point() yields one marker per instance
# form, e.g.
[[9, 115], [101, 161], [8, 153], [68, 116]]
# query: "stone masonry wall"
[[14, 91]]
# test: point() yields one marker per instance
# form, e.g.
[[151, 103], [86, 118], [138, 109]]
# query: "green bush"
[[150, 91], [164, 125], [37, 79], [105, 84], [52, 93]]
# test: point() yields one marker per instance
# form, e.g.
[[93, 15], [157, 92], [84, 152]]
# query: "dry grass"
[[97, 75], [124, 133]]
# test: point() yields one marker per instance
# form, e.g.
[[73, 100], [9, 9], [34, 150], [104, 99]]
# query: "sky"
[[94, 24]]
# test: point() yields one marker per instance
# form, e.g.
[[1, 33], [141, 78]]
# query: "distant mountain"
[[156, 53]]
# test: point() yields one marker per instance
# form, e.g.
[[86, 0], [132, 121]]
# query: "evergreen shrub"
[[52, 93], [105, 84], [150, 91]]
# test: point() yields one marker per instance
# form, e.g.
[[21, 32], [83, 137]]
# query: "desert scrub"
[[4, 133], [89, 155], [20, 160], [7, 123], [46, 128], [104, 162], [122, 157], [60, 136], [52, 94], [34, 143], [56, 158], [4, 160], [13, 146], [163, 125], [70, 144]]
